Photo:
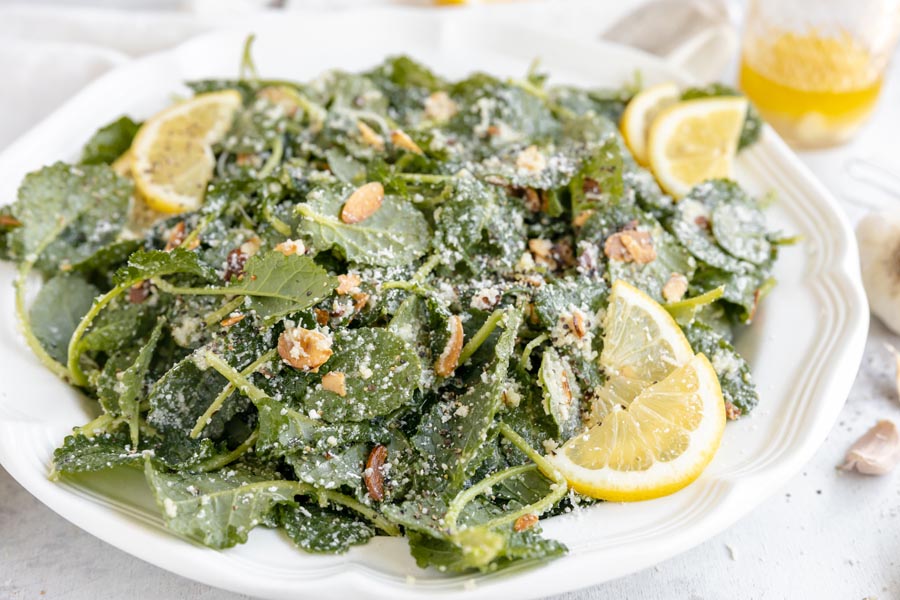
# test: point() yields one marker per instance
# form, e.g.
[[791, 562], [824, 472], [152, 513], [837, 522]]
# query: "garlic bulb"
[[878, 235]]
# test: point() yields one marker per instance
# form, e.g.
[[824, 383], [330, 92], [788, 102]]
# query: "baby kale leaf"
[[58, 308], [395, 234], [110, 142]]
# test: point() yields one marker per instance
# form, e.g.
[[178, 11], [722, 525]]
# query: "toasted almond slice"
[[630, 246], [374, 473], [439, 106], [281, 96], [335, 382], [232, 319], [363, 203], [291, 247], [531, 160], [525, 522], [449, 358], [304, 349], [675, 287], [370, 137], [347, 283], [400, 139]]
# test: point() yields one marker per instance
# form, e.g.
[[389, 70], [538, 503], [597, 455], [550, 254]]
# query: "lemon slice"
[[640, 113], [658, 444], [172, 157], [642, 344], [695, 140]]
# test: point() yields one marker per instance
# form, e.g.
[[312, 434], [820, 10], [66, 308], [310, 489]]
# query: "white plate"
[[805, 345]]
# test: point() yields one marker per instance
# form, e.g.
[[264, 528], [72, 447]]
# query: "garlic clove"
[[878, 235], [875, 453]]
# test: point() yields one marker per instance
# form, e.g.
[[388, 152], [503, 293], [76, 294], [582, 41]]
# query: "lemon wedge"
[[642, 344], [660, 417], [172, 157], [695, 140], [640, 113]]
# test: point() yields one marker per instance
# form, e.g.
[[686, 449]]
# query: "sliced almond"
[[581, 218], [675, 287], [347, 283], [335, 381], [439, 106], [532, 200], [732, 412], [363, 203], [525, 522], [291, 247], [400, 139], [877, 452], [449, 358], [304, 349], [369, 137], [374, 473], [531, 160], [630, 246], [176, 236], [579, 327], [542, 250], [232, 319], [281, 96], [360, 300]]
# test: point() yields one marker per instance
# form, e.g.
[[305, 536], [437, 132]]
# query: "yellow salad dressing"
[[815, 89]]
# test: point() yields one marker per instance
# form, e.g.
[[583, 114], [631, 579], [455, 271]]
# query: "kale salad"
[[372, 323]]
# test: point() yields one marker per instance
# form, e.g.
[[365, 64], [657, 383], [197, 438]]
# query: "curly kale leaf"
[[395, 234], [110, 142]]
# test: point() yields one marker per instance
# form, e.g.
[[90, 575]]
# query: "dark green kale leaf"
[[482, 549], [322, 530], [277, 285], [671, 258], [132, 382], [562, 395], [741, 290], [523, 489], [81, 453], [395, 234], [691, 221], [283, 429], [110, 142], [733, 371], [102, 264], [88, 205], [182, 395], [740, 228], [381, 371], [560, 296], [461, 220], [598, 182], [57, 310], [156, 263], [453, 431], [218, 509], [118, 326]]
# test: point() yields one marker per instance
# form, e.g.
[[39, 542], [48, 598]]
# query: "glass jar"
[[814, 68]]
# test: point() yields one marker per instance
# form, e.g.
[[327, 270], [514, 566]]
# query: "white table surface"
[[826, 535]]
